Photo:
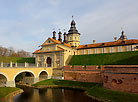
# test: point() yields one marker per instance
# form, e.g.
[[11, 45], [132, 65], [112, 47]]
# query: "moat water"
[[52, 95]]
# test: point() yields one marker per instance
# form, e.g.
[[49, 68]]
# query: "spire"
[[73, 29], [123, 36], [73, 22]]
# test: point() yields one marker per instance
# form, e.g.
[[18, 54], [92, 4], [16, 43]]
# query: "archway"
[[25, 78], [3, 80], [43, 76], [48, 61]]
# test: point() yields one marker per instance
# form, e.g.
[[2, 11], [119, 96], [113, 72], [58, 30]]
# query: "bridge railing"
[[13, 64], [19, 65]]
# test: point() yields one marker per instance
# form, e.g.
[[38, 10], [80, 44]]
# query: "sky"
[[26, 24]]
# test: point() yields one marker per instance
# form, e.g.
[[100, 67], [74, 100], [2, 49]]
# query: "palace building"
[[56, 53]]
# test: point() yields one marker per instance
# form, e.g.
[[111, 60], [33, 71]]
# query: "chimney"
[[115, 38], [60, 38], [93, 41], [54, 35], [65, 38]]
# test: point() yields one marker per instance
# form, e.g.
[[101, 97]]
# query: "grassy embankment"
[[120, 58], [17, 59], [92, 89], [4, 91]]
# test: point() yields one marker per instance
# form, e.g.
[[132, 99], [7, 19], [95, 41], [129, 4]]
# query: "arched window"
[[49, 62]]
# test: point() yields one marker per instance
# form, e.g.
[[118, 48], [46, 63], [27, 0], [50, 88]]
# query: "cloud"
[[105, 23], [28, 23]]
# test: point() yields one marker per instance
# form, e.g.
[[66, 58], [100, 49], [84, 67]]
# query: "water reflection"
[[52, 95]]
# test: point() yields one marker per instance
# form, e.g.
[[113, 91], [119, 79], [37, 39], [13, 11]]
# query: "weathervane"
[[72, 17]]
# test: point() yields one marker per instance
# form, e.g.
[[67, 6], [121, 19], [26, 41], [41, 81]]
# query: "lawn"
[[4, 91], [120, 58], [92, 89], [115, 96], [65, 83]]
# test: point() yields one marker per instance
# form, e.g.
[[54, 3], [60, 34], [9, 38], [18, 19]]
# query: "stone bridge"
[[30, 75]]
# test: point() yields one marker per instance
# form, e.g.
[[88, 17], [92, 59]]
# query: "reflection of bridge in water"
[[30, 73]]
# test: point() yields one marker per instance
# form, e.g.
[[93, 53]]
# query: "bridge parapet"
[[19, 65]]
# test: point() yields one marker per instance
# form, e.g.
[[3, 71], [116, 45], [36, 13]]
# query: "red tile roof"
[[60, 48], [56, 42], [106, 44], [39, 51]]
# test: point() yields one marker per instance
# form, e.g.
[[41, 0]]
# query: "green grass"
[[115, 96], [93, 89], [17, 59], [120, 58], [65, 83], [4, 91]]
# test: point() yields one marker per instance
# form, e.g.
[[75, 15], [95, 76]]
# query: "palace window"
[[75, 44], [120, 48], [110, 49], [75, 38], [82, 51], [48, 48], [89, 51], [95, 50]]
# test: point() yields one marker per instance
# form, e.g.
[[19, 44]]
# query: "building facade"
[[56, 53]]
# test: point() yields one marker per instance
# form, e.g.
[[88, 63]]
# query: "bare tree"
[[12, 53]]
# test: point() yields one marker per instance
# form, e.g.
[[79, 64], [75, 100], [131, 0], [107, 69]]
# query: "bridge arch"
[[5, 76], [24, 71], [43, 75], [3, 79]]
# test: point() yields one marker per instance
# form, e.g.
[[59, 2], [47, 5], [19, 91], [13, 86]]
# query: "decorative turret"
[[73, 29], [73, 35], [60, 36], [123, 36], [65, 37], [54, 35]]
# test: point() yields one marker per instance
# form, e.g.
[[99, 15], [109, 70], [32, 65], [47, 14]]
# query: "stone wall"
[[121, 77], [57, 73], [79, 73]]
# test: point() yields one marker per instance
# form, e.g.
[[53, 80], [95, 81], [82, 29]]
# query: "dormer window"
[[86, 45], [49, 41], [123, 42]]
